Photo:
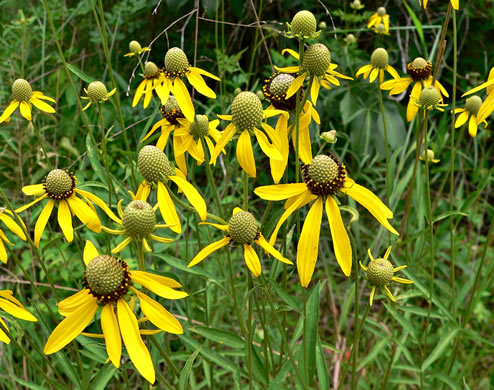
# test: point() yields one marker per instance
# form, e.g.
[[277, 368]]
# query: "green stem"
[[234, 296], [386, 149], [306, 366], [356, 308], [246, 191], [42, 145], [249, 327], [140, 255], [105, 153], [167, 359]]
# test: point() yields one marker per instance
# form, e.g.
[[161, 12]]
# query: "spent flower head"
[[303, 26], [151, 82], [96, 93], [379, 62], [470, 113], [135, 49]]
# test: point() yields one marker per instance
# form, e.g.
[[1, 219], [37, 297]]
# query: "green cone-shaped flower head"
[[96, 91], [22, 91], [135, 47], [380, 58], [247, 111], [380, 272], [153, 164], [59, 184], [151, 69], [104, 275], [317, 59], [280, 84], [472, 105], [304, 24], [429, 98], [176, 60], [139, 219], [325, 175], [243, 228], [201, 128], [323, 169], [381, 11]]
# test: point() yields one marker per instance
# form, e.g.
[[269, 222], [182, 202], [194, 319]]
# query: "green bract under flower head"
[[139, 219], [380, 272], [134, 47], [22, 91], [151, 69], [472, 105], [380, 58], [153, 164], [96, 91], [304, 23], [243, 228], [201, 128], [429, 98], [316, 59], [59, 184], [176, 61], [247, 111]]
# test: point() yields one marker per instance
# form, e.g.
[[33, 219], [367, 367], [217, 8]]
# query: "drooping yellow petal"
[[486, 108], [167, 208], [269, 150], [35, 189], [192, 195], [205, 252], [65, 220], [9, 110], [72, 303], [339, 235], [472, 126], [101, 204], [288, 69], [40, 104], [26, 110], [3, 252], [462, 119], [13, 227], [149, 281], [401, 280], [388, 293], [308, 244], [71, 327], [226, 137], [245, 154], [42, 221], [161, 239], [373, 75], [392, 71], [295, 86], [139, 92], [25, 207], [111, 331], [196, 80], [122, 245], [204, 73], [314, 90], [363, 69], [3, 337], [158, 315], [261, 241], [373, 292], [15, 310], [90, 252], [137, 350], [480, 87], [252, 260], [87, 215], [412, 109], [280, 191], [184, 101], [278, 167], [292, 52]]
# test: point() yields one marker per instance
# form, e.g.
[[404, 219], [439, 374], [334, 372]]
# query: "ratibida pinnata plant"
[[378, 18], [157, 172], [469, 114], [25, 98], [454, 3], [430, 156], [13, 226], [12, 306], [303, 26], [487, 106], [324, 178], [109, 284], [152, 82], [60, 187], [135, 49], [97, 93], [242, 230], [430, 99], [379, 63]]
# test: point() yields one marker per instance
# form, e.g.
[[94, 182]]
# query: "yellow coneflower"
[[323, 178], [15, 308], [355, 4], [135, 49], [152, 82], [107, 284], [25, 98], [380, 273], [470, 113], [430, 155], [96, 92], [420, 71], [246, 120], [487, 107], [242, 230], [60, 187], [177, 67], [379, 63], [430, 99], [13, 227], [156, 169], [303, 26], [454, 3], [316, 63], [379, 17]]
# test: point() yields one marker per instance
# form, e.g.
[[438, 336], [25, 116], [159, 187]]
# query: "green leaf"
[[95, 160], [105, 373], [322, 367], [79, 73], [404, 322], [219, 336], [184, 374], [417, 23], [440, 347], [376, 350], [448, 380], [311, 330], [448, 214], [288, 299]]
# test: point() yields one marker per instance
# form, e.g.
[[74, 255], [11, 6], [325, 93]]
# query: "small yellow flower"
[[13, 227], [323, 178], [157, 171], [107, 284], [430, 99], [487, 107], [316, 63], [430, 156], [378, 64], [242, 230], [151, 82], [246, 120], [60, 187], [380, 16], [12, 306], [420, 71], [454, 3], [25, 98], [380, 273], [136, 49], [470, 113], [176, 68], [96, 92]]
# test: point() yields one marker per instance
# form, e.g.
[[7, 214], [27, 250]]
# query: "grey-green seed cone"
[[139, 219], [202, 129], [323, 169], [247, 111], [176, 60], [22, 91], [472, 105], [104, 275], [150, 69], [153, 164], [380, 58], [380, 272], [243, 228], [304, 23], [134, 47], [280, 84], [429, 97], [171, 104], [58, 182], [317, 59], [96, 91]]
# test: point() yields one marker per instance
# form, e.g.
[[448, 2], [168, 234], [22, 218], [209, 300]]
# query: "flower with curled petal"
[[14, 307], [108, 284]]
